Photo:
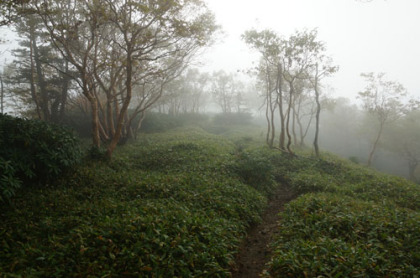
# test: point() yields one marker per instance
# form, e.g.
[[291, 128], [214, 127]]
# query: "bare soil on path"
[[255, 250]]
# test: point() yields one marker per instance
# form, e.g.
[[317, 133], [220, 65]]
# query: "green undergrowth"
[[178, 204], [169, 205], [349, 221]]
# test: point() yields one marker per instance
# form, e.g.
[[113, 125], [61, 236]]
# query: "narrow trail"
[[255, 251]]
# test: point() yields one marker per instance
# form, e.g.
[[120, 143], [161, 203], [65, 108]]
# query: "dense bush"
[[9, 182], [33, 152]]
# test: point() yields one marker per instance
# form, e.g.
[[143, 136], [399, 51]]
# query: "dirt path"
[[255, 251]]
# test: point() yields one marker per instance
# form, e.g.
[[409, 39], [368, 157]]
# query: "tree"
[[11, 10], [2, 94], [403, 138], [303, 110], [325, 70], [383, 100], [302, 52], [185, 94], [270, 76], [119, 46], [40, 72], [227, 91], [285, 63]]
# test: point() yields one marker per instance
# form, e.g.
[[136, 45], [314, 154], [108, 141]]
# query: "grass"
[[178, 204], [349, 221], [170, 205]]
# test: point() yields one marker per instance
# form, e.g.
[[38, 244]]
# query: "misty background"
[[360, 37]]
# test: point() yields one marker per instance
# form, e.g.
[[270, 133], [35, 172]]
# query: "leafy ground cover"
[[178, 204], [169, 205], [349, 221]]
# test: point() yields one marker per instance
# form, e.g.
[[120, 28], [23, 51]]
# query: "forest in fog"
[[107, 65], [183, 138]]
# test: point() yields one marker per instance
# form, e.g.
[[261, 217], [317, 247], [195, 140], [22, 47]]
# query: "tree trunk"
[[317, 115], [1, 95], [95, 123], [141, 118], [280, 103], [302, 134], [294, 127], [121, 117], [375, 144], [289, 108], [64, 92], [271, 129], [41, 81], [110, 115], [32, 82], [412, 166], [267, 139], [273, 126], [267, 116]]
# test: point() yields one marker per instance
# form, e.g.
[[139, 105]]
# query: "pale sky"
[[378, 36]]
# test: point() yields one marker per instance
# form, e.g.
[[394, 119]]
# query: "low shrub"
[[224, 119], [254, 168], [331, 174], [328, 235], [9, 183], [159, 122], [34, 152], [308, 180], [166, 206]]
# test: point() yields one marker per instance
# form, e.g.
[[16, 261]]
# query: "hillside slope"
[[350, 221], [179, 203]]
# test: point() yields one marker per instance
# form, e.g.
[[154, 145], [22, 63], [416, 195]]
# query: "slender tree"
[[1, 95], [270, 75], [290, 61], [383, 100], [403, 139], [226, 91], [321, 70]]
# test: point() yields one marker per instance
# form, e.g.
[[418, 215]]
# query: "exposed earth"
[[255, 250]]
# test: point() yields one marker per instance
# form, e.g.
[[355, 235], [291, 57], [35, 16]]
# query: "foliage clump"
[[33, 152], [254, 168]]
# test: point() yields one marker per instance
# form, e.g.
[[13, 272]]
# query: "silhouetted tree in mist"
[[383, 100]]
